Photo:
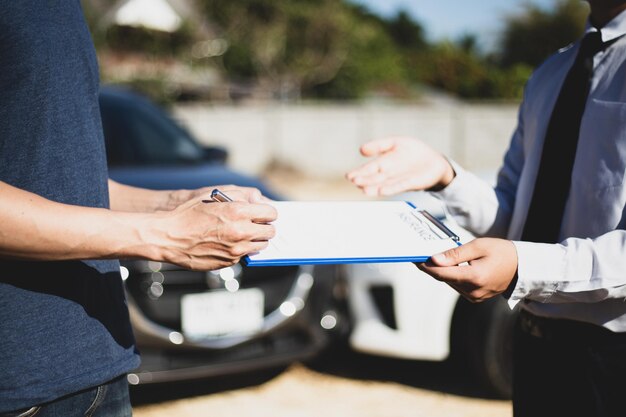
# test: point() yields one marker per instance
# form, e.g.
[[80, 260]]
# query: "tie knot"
[[591, 44]]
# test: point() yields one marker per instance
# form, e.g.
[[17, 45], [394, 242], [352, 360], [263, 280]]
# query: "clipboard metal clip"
[[440, 225]]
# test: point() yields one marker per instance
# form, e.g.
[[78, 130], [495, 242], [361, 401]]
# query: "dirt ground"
[[344, 385], [301, 392], [337, 385]]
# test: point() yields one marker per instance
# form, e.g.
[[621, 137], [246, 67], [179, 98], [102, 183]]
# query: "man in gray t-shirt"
[[65, 337]]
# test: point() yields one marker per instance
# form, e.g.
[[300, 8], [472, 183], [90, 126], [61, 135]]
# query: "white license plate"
[[221, 312]]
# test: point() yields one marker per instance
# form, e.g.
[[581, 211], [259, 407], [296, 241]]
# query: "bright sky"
[[453, 18]]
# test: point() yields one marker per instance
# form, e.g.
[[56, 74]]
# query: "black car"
[[199, 324]]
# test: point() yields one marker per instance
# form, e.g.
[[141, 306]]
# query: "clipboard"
[[309, 233]]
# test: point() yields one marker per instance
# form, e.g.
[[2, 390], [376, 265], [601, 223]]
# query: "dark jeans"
[[567, 368], [107, 400]]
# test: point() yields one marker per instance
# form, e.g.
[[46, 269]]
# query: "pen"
[[440, 225], [220, 197]]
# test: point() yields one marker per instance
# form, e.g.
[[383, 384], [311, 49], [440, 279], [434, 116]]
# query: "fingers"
[[377, 147], [390, 185], [362, 175], [375, 178], [254, 247], [261, 199], [464, 253], [404, 183], [242, 222], [248, 194], [257, 213], [366, 173], [261, 232], [243, 194], [467, 280], [234, 242], [205, 236], [449, 274], [217, 259], [478, 270], [420, 166], [225, 246], [399, 165], [237, 251]]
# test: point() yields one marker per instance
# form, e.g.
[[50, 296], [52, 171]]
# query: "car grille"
[[157, 288]]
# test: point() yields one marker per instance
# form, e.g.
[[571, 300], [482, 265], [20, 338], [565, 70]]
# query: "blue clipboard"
[[290, 261]]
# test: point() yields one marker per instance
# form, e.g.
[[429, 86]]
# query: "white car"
[[399, 311]]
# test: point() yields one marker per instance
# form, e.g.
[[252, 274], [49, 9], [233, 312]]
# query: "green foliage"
[[458, 69], [509, 82], [405, 32], [451, 68], [238, 61], [372, 61], [321, 47], [530, 37], [331, 49], [155, 43], [339, 50], [296, 43]]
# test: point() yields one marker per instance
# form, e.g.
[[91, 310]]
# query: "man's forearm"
[[193, 235], [35, 228]]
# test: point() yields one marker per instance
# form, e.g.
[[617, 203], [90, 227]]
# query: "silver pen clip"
[[220, 197]]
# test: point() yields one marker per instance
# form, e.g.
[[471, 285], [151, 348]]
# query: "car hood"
[[186, 177]]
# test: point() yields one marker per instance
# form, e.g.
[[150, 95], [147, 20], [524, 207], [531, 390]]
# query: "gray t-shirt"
[[64, 326]]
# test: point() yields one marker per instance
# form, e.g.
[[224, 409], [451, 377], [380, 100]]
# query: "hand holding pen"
[[204, 236], [231, 193]]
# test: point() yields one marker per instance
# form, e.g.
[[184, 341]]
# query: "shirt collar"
[[612, 30]]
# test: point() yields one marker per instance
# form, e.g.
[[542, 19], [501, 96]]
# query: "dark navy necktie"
[[552, 186]]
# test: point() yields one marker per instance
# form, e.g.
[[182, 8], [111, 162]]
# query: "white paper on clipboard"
[[352, 232]]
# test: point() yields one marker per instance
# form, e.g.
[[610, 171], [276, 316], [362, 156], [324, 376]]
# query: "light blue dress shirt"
[[584, 276]]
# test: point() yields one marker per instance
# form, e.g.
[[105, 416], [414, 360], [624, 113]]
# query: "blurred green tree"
[[527, 39], [318, 47], [374, 59], [406, 32], [339, 50], [458, 68], [530, 37], [152, 42], [108, 35]]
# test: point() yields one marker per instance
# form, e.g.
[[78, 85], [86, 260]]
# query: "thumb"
[[454, 256], [255, 196], [377, 147]]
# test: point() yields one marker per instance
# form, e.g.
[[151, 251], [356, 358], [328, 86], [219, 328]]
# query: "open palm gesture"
[[400, 164]]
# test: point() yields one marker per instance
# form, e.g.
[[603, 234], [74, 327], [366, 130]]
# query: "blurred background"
[[297, 85], [281, 94]]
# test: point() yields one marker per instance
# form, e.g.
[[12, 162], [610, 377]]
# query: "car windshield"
[[137, 132]]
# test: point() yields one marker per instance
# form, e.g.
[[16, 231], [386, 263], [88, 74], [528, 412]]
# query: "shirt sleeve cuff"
[[471, 201], [540, 266], [458, 184]]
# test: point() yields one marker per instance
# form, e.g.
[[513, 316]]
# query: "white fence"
[[323, 141]]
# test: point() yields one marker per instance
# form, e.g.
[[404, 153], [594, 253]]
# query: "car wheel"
[[483, 340]]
